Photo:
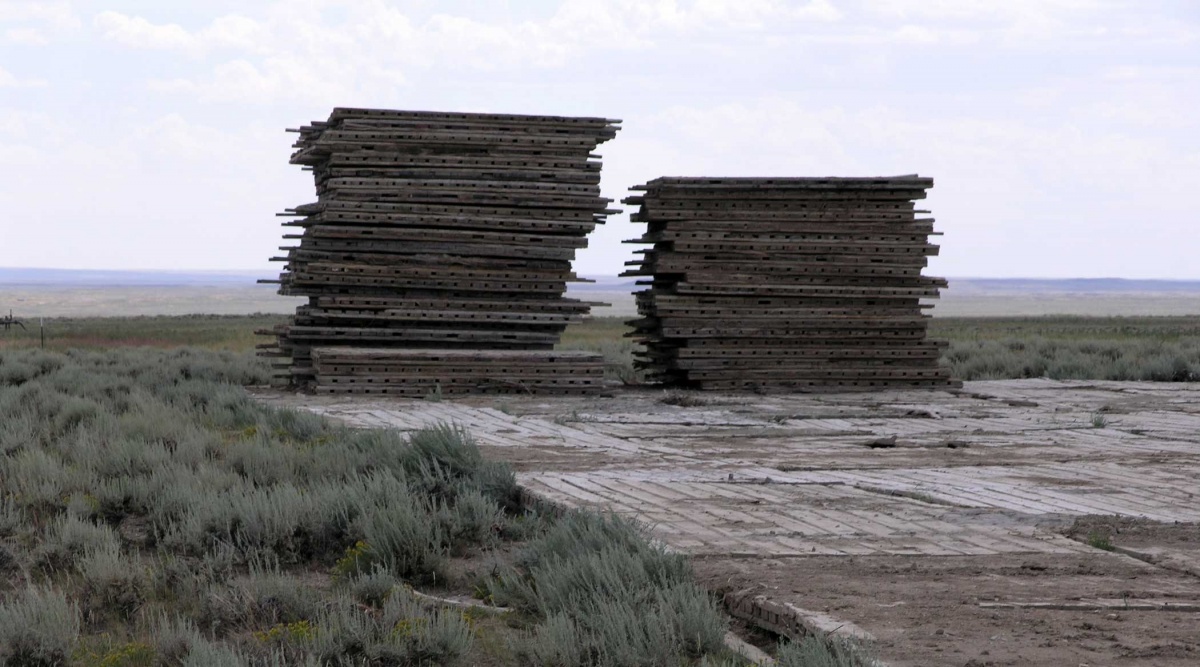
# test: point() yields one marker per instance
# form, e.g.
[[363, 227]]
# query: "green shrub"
[[12, 517], [276, 598], [1164, 349], [422, 635], [111, 581], [373, 588], [557, 642], [473, 520], [402, 536], [605, 595], [824, 651], [37, 627], [152, 486], [70, 537], [204, 653], [403, 633]]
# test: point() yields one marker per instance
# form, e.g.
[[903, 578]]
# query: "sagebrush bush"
[[150, 486], [404, 632], [824, 651], [1072, 348], [606, 595], [402, 534], [70, 537], [374, 587], [275, 597], [12, 517], [112, 581], [37, 627]]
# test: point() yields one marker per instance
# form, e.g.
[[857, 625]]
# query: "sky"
[[1063, 135]]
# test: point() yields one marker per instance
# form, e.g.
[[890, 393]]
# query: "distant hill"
[[116, 278], [958, 286], [983, 286]]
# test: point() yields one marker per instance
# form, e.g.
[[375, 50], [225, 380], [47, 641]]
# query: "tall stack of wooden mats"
[[786, 283], [436, 256]]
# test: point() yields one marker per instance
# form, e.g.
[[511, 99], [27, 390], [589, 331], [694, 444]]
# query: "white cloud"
[[292, 52], [1063, 130], [916, 34], [1002, 182], [749, 14], [10, 80], [58, 15], [981, 10], [275, 79], [177, 138], [137, 32], [232, 32], [1011, 22], [236, 32], [30, 36]]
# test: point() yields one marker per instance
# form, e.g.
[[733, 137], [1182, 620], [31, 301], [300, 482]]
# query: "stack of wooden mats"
[[436, 256], [786, 283]]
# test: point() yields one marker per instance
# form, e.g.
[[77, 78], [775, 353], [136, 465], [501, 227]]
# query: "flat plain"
[[1041, 520], [67, 300]]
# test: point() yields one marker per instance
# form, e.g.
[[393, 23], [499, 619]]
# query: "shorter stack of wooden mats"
[[437, 254], [786, 283]]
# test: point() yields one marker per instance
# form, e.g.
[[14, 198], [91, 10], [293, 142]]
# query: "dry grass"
[[1083, 348], [213, 332], [1116, 348]]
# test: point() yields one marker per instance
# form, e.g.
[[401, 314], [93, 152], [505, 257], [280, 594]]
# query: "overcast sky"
[[1064, 135]]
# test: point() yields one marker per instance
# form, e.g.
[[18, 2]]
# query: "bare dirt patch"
[[936, 611]]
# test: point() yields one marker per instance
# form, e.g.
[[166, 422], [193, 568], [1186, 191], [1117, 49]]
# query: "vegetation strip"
[[152, 513], [981, 348]]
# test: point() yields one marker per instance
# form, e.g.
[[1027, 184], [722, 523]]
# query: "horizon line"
[[268, 272]]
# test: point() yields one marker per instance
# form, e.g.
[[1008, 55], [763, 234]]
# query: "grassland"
[[152, 513], [1081, 348], [1112, 348], [211, 332]]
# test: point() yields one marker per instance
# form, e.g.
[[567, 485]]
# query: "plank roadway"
[[941, 524]]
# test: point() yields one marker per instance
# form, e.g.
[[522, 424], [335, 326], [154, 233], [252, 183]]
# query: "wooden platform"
[[785, 283], [438, 231], [938, 523]]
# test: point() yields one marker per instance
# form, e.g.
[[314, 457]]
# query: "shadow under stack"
[[437, 254], [786, 283]]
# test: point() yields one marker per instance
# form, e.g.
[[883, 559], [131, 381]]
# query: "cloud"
[[1002, 179], [738, 14], [1055, 129], [916, 34], [1011, 22], [232, 32], [177, 138], [137, 32], [294, 51], [9, 80], [983, 10], [58, 15], [29, 36], [273, 80]]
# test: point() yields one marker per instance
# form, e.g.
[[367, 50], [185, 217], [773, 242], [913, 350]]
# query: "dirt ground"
[[1004, 524]]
